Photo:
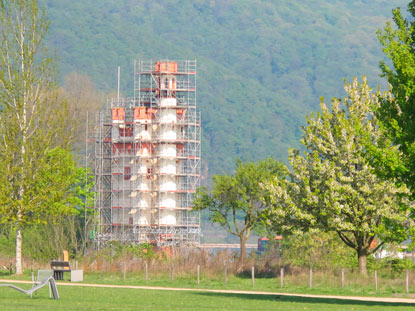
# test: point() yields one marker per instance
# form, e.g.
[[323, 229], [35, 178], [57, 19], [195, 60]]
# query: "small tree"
[[334, 186], [36, 167], [235, 201]]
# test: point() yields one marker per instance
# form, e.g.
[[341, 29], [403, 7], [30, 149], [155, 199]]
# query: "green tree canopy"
[[397, 113], [333, 186], [236, 201]]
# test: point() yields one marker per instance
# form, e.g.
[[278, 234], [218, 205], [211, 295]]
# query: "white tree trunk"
[[19, 266], [23, 128]]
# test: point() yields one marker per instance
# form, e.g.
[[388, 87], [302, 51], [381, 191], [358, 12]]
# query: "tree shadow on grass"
[[284, 298], [4, 273]]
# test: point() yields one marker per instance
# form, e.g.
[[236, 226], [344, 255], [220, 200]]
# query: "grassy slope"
[[73, 298], [262, 64]]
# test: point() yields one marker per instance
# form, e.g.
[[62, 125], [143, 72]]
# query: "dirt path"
[[242, 292]]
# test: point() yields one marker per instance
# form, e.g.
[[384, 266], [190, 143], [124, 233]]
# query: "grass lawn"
[[77, 298], [292, 284]]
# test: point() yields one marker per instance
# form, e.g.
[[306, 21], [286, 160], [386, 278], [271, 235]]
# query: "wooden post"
[[102, 268], [146, 270], [10, 267], [225, 279], [76, 264], [33, 282], [342, 278], [376, 281], [311, 278], [172, 272], [282, 277], [253, 276], [124, 268], [198, 274], [407, 281]]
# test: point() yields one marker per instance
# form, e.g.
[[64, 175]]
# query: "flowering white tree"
[[339, 183]]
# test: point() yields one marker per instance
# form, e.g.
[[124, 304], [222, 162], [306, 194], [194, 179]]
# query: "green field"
[[323, 284], [77, 298], [292, 284], [85, 298]]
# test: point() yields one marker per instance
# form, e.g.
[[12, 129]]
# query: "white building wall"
[[168, 200], [168, 102], [168, 183], [168, 133], [168, 217], [168, 150], [168, 166], [168, 116]]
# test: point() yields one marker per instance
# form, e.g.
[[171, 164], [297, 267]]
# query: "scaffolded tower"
[[147, 159]]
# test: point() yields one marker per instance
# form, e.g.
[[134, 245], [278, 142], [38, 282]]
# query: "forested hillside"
[[262, 65]]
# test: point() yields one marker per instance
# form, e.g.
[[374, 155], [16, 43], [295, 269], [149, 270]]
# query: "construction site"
[[146, 159]]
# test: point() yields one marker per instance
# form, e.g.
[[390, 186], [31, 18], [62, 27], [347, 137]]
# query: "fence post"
[[376, 281], [282, 277], [407, 281], [102, 268], [342, 279], [172, 272], [33, 282], [225, 279], [124, 268], [253, 276], [198, 274], [146, 270], [311, 278]]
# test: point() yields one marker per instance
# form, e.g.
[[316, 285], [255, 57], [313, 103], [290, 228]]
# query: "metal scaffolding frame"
[[133, 140]]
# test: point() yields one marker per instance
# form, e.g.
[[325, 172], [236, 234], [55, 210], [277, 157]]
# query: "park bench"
[[59, 267]]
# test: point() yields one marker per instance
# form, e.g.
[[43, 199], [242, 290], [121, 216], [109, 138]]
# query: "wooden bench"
[[59, 267]]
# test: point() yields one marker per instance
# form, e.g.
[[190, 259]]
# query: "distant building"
[[147, 159], [264, 243]]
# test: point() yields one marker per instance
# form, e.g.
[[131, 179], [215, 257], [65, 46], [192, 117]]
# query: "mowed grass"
[[299, 284], [96, 299]]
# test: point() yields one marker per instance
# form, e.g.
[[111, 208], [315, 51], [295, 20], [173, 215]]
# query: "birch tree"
[[337, 183], [32, 123]]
